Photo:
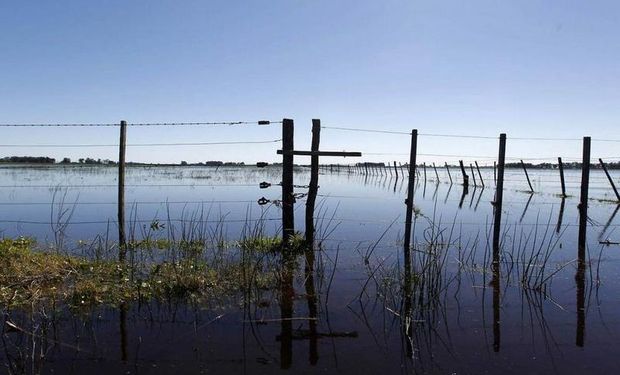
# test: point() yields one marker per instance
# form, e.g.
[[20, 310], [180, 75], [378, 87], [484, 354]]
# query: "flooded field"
[[350, 305]]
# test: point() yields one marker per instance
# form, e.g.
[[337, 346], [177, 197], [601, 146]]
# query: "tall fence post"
[[314, 182], [499, 193], [288, 218], [611, 181], [561, 168], [409, 201], [581, 243], [122, 240]]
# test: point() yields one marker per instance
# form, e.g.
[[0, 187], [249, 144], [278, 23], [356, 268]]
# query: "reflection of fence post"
[[122, 241], [499, 192], [465, 177], [314, 182], [611, 181], [561, 168], [288, 219], [527, 176], [409, 201]]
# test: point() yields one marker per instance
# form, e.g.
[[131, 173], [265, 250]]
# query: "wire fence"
[[384, 168]]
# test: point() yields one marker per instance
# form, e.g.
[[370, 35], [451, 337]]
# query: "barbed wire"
[[260, 122], [142, 144], [464, 135]]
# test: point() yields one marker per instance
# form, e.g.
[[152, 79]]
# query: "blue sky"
[[527, 68]]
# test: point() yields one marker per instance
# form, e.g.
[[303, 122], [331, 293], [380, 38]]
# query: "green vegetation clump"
[[31, 277]]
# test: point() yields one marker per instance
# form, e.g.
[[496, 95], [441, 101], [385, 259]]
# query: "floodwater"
[[347, 308]]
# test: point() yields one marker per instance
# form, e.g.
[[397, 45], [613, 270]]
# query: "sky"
[[525, 68]]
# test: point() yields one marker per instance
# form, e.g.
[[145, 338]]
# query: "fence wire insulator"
[[264, 122], [263, 201], [264, 185]]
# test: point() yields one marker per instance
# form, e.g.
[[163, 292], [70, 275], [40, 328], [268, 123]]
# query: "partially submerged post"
[[288, 200], [527, 176], [465, 177], [473, 174], [479, 174], [449, 175], [424, 166], [581, 243], [561, 168], [314, 181], [122, 241], [436, 174], [395, 169], [409, 200], [611, 181], [499, 193]]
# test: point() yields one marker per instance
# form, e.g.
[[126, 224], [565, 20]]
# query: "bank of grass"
[[29, 276]]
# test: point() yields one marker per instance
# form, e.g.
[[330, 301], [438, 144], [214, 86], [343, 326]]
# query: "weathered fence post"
[[288, 200], [581, 243], [479, 174], [611, 181], [395, 169], [473, 174], [527, 176], [561, 168], [449, 175], [424, 166], [409, 201], [122, 241], [465, 177], [499, 193], [314, 182], [436, 174]]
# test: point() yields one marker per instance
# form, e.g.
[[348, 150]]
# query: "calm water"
[[461, 320]]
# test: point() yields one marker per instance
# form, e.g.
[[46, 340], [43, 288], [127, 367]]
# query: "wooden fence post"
[[288, 218], [436, 174], [122, 240], [499, 193], [473, 174], [449, 175], [465, 177], [527, 176], [581, 243], [314, 182], [479, 174], [611, 181], [561, 168], [395, 169], [409, 201]]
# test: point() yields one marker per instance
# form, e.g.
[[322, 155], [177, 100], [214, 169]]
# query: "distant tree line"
[[28, 159]]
